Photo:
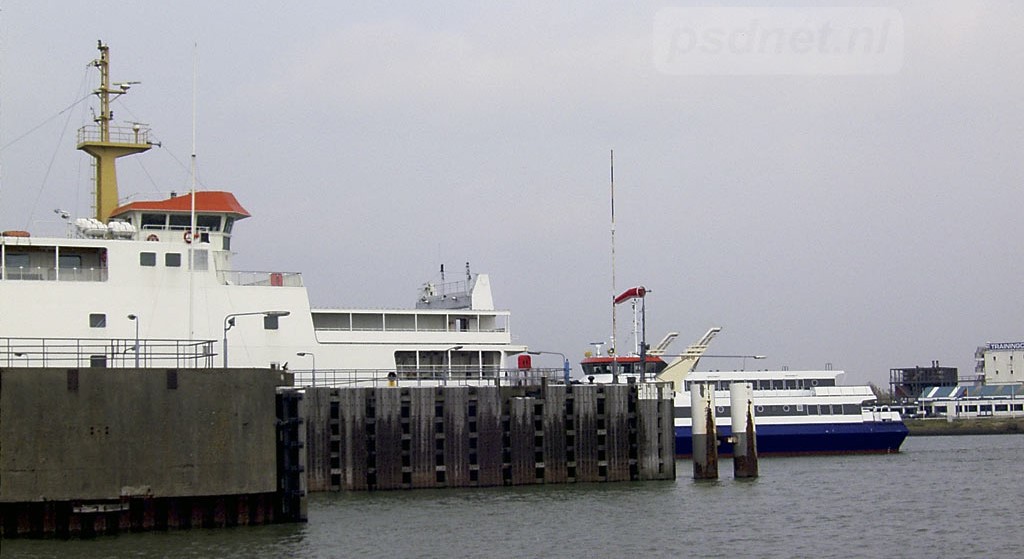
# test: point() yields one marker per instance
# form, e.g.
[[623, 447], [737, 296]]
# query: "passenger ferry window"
[[15, 261], [97, 320], [147, 259], [172, 260], [270, 322], [69, 261]]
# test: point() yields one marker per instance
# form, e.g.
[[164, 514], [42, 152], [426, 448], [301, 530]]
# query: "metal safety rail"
[[343, 378], [105, 352]]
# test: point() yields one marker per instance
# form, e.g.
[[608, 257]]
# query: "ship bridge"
[[171, 220]]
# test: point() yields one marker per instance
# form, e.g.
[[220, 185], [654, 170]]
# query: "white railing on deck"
[[342, 378], [105, 352], [40, 273]]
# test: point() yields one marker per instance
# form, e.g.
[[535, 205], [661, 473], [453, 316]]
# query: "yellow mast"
[[105, 142]]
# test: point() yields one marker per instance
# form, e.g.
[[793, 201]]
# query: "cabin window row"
[[173, 259], [776, 410], [770, 384], [50, 263]]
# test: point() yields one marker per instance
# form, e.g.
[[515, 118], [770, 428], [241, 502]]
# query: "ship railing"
[[106, 352], [499, 329], [117, 134], [879, 413], [41, 273], [261, 279], [459, 287], [358, 378]]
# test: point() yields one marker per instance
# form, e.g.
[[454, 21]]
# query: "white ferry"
[[151, 283], [796, 412]]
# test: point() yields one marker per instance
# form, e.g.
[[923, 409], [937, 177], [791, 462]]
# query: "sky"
[[826, 205]]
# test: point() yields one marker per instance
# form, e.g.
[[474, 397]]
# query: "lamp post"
[[565, 362], [743, 357], [448, 354], [229, 321], [310, 354], [135, 318]]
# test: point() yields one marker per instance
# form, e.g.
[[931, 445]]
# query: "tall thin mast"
[[192, 188], [613, 349]]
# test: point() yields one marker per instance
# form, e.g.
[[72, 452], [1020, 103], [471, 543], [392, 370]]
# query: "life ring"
[[152, 237], [188, 236]]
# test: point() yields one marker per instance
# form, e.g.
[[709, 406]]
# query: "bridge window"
[[154, 221], [210, 222], [180, 221]]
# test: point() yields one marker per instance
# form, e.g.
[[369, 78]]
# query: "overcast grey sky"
[[820, 207]]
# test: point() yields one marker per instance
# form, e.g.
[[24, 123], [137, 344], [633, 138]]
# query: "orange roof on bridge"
[[207, 201]]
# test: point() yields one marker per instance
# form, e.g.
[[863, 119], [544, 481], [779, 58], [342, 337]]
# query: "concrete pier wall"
[[103, 439], [477, 436]]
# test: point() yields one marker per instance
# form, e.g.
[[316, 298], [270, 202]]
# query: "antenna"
[[612, 349], [192, 188]]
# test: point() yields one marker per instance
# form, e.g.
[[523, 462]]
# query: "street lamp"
[[309, 354], [743, 357], [135, 318], [229, 321], [448, 354], [565, 362]]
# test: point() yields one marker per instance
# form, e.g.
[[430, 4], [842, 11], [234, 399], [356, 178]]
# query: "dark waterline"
[[940, 497]]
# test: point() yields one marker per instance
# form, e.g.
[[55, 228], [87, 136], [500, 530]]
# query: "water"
[[940, 497]]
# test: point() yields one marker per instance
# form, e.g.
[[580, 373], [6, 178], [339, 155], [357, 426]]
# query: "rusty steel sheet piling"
[[744, 453], [705, 434]]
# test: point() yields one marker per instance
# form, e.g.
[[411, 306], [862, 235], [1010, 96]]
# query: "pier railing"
[[105, 352], [342, 378]]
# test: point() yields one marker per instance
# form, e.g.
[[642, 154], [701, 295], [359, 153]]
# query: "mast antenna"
[[192, 194], [612, 349]]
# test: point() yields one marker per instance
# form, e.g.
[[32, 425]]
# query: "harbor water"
[[940, 497]]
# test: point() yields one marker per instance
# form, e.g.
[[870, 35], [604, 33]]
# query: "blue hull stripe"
[[821, 438]]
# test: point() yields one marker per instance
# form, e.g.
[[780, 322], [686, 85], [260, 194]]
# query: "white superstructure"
[[158, 274]]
